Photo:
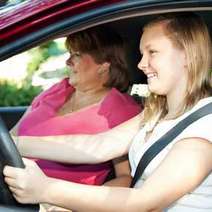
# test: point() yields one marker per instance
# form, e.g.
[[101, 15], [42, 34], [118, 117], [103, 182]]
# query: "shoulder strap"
[[163, 141]]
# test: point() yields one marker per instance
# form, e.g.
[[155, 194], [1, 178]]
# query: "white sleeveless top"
[[200, 200]]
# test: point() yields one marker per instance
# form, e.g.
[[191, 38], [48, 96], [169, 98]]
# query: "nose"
[[143, 64]]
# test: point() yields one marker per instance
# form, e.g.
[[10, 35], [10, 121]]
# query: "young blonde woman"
[[179, 178]]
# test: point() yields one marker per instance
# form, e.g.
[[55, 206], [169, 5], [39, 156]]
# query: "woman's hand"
[[28, 184]]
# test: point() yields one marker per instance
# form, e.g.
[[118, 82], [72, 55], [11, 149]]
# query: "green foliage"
[[12, 95], [22, 94]]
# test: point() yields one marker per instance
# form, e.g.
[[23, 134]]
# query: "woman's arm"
[[122, 172], [184, 168], [81, 148], [14, 130]]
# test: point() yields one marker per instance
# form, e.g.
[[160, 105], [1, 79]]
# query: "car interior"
[[130, 29]]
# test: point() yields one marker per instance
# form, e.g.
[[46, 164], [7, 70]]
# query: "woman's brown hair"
[[104, 45]]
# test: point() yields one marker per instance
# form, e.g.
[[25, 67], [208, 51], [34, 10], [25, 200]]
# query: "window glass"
[[24, 75]]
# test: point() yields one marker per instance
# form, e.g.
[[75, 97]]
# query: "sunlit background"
[[25, 75]]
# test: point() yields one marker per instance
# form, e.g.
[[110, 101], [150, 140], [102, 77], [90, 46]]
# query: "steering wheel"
[[9, 155]]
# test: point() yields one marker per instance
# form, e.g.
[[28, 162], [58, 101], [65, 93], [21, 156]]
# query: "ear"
[[104, 68], [106, 65]]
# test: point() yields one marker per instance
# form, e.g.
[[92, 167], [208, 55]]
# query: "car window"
[[25, 75]]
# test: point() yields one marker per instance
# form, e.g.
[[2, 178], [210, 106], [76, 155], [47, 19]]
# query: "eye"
[[74, 55], [77, 54], [152, 52]]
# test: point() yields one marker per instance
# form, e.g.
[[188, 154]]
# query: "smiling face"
[[162, 62], [84, 73]]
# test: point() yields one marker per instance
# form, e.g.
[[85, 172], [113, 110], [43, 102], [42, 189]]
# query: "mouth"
[[151, 75], [73, 72]]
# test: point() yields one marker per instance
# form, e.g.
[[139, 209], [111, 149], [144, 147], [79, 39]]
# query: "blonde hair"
[[187, 31]]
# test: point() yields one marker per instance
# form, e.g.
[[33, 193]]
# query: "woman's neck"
[[175, 106], [82, 99], [87, 94]]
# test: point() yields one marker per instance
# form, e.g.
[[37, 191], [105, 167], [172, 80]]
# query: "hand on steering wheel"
[[9, 155]]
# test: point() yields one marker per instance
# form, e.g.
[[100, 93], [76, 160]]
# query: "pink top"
[[43, 120]]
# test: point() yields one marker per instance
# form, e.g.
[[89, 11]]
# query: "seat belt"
[[163, 141]]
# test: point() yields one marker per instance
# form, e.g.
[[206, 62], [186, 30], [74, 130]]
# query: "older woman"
[[88, 102]]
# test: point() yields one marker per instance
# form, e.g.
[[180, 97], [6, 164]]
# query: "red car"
[[32, 22]]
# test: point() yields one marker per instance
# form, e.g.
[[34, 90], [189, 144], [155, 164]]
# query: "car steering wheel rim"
[[9, 155]]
